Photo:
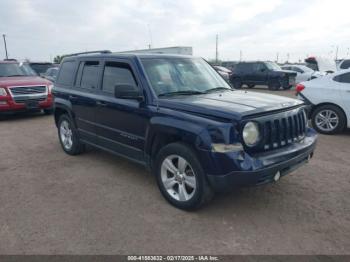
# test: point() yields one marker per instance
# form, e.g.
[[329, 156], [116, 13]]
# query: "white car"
[[304, 73], [329, 97]]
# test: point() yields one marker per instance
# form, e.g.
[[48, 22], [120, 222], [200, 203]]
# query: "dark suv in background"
[[262, 73], [179, 118]]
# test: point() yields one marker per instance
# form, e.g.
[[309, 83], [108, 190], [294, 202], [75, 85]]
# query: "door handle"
[[72, 97], [101, 103]]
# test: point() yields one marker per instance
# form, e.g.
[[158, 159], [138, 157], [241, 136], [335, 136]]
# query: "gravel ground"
[[97, 203]]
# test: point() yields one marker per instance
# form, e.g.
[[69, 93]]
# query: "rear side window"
[[345, 64], [245, 67], [89, 74], [344, 78], [117, 74], [66, 74]]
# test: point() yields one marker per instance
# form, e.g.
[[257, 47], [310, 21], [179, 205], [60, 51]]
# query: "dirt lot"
[[97, 203]]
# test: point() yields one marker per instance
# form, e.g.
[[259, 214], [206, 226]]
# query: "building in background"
[[177, 50]]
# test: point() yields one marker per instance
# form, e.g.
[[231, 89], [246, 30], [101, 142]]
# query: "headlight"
[[224, 148], [251, 134], [50, 88], [3, 91]]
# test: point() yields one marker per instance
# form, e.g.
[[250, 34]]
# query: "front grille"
[[26, 100], [27, 90], [283, 131]]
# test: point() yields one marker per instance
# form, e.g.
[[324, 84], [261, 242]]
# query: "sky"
[[255, 30]]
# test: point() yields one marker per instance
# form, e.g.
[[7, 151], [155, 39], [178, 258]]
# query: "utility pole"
[[216, 50], [4, 36], [277, 55], [150, 37], [240, 55], [336, 53]]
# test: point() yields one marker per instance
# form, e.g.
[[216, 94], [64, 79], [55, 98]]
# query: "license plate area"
[[32, 104]]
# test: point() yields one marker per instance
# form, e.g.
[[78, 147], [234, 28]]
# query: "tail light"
[[299, 88]]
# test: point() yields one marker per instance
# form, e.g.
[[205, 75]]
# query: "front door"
[[120, 123]]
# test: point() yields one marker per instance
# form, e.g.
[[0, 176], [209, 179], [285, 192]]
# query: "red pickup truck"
[[21, 89]]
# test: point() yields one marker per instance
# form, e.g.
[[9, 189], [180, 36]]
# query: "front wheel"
[[274, 85], [180, 177], [328, 119], [237, 83]]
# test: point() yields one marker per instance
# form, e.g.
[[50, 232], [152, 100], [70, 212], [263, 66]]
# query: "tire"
[[334, 117], [188, 189], [48, 111], [72, 145], [237, 83], [274, 85], [250, 85]]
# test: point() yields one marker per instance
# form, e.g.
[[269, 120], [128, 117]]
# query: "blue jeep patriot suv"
[[178, 117]]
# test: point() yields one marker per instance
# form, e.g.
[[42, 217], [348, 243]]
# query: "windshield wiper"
[[186, 92], [217, 89], [14, 75]]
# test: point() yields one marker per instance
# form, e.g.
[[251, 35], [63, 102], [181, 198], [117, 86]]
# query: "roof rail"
[[89, 52]]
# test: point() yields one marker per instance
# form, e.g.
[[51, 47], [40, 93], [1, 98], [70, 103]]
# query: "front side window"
[[272, 66], [117, 74], [89, 77], [174, 75]]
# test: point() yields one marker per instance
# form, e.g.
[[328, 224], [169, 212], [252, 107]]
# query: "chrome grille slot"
[[24, 100], [23, 94], [27, 90]]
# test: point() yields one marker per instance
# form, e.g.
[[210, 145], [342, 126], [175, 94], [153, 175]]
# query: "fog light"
[[3, 103], [277, 176]]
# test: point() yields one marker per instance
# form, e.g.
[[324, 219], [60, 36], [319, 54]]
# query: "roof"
[[8, 62], [127, 55]]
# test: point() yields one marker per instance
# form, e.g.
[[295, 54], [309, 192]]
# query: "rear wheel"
[[237, 83], [328, 119], [68, 136], [180, 177]]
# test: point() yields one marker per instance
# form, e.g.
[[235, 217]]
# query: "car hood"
[[231, 104], [23, 80]]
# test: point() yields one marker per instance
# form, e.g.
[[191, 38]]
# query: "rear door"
[[260, 73], [121, 123], [83, 98]]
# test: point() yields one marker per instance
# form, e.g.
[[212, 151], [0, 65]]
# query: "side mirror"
[[128, 92], [262, 70]]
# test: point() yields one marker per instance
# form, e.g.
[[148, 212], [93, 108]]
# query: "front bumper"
[[263, 168], [8, 105]]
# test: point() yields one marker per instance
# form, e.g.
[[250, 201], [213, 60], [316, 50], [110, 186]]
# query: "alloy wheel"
[[327, 120], [66, 135], [178, 178]]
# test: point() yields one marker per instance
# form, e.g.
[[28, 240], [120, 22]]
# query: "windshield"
[[15, 69], [272, 66], [40, 68], [176, 75]]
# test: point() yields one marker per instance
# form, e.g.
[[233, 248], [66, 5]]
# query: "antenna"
[[150, 37], [216, 49]]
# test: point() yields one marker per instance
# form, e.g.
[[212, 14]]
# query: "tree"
[[57, 59]]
